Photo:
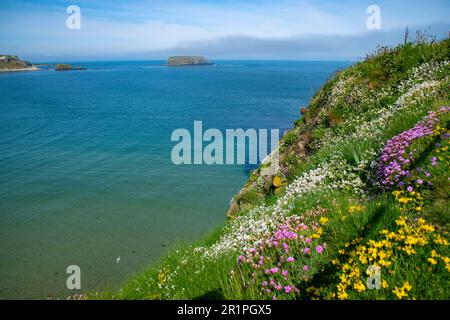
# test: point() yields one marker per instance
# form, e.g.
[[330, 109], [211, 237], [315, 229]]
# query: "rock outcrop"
[[179, 61], [67, 67]]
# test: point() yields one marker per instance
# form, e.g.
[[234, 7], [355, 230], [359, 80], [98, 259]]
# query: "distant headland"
[[181, 61], [9, 63]]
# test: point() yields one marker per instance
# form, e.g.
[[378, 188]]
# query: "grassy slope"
[[332, 195]]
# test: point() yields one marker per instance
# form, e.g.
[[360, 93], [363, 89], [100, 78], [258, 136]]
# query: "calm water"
[[85, 168]]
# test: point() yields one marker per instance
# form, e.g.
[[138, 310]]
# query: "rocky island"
[[67, 67], [181, 61], [9, 63]]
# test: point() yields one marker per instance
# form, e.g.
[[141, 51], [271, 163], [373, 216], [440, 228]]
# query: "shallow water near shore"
[[85, 169]]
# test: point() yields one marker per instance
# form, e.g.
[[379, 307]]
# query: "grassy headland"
[[10, 63], [362, 193]]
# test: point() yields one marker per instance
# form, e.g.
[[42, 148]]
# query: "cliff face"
[[187, 61]]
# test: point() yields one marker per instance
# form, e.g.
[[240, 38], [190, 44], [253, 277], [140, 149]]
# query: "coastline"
[[33, 68]]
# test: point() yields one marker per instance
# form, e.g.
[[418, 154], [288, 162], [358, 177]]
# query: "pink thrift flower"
[[308, 240], [284, 273], [274, 270], [319, 249], [306, 250], [290, 259], [305, 268], [287, 289]]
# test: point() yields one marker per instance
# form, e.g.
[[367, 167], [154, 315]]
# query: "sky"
[[218, 29]]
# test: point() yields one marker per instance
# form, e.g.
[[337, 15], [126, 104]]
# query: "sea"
[[86, 174]]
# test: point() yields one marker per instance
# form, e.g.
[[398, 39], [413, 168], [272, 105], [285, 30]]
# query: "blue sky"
[[219, 29]]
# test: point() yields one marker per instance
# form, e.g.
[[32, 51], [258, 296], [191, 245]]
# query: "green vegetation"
[[366, 201], [8, 62]]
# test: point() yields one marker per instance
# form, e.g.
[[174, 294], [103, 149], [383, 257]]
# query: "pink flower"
[[264, 283], [410, 189], [274, 270], [419, 181], [305, 268], [306, 250], [427, 174], [284, 273], [308, 240], [290, 259], [287, 289], [274, 298], [319, 249]]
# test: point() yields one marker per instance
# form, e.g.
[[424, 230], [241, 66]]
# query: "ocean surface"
[[86, 174]]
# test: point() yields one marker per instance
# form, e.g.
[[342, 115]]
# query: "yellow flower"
[[359, 286], [399, 293], [403, 291], [432, 261], [323, 220], [407, 286], [277, 182], [356, 208], [342, 295]]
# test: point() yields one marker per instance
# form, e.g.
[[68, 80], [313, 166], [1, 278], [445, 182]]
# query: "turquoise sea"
[[85, 169]]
